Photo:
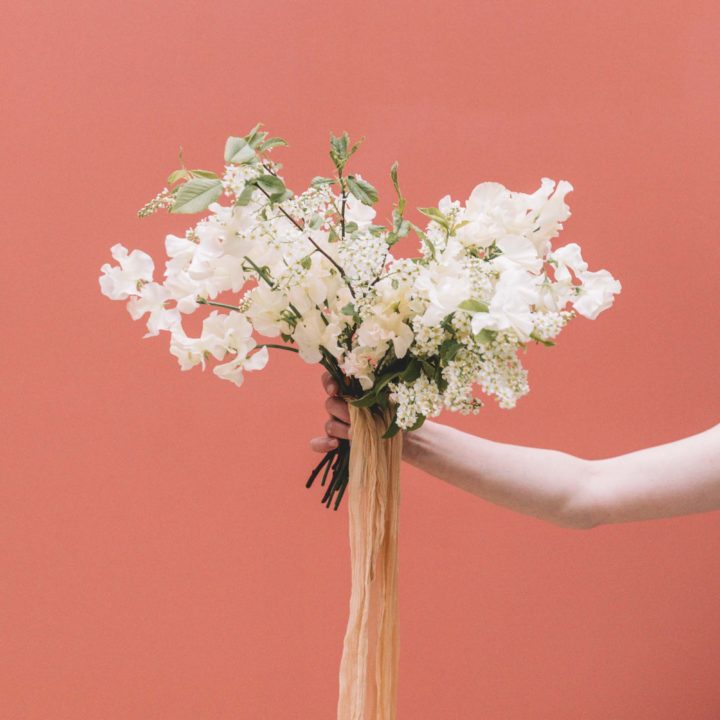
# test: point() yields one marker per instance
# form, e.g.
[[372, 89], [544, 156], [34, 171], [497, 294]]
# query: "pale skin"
[[676, 478]]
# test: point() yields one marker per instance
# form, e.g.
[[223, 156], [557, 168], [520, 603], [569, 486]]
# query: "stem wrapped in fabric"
[[369, 664]]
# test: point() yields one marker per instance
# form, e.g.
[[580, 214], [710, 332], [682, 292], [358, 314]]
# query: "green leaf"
[[473, 306], [254, 137], [485, 336], [426, 240], [349, 309], [176, 175], [195, 195], [449, 349], [546, 343], [412, 371], [385, 379], [238, 151], [417, 424], [271, 184], [437, 216], [246, 195], [392, 429], [339, 145], [366, 400], [428, 368], [355, 146], [319, 181], [306, 262], [351, 227], [362, 190], [204, 173], [396, 185], [271, 143]]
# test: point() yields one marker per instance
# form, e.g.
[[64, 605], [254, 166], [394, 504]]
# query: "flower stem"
[[279, 347], [203, 301], [302, 229]]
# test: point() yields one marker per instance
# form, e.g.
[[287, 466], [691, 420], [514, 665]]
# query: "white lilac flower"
[[501, 374], [547, 325], [363, 256], [428, 338], [420, 397]]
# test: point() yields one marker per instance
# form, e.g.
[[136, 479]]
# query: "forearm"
[[547, 484]]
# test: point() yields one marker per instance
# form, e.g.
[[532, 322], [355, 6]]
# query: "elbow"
[[583, 508]]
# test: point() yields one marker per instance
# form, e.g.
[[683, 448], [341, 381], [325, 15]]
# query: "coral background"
[[159, 555]]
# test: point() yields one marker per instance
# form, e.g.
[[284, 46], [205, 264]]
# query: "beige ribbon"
[[369, 665]]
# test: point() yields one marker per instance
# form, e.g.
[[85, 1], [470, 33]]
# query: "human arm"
[[675, 478]]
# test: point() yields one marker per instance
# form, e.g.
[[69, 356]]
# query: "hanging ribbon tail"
[[369, 664]]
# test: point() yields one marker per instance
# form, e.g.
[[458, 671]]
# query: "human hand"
[[337, 426]]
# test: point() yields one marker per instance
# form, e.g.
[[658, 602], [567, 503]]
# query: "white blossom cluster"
[[300, 271]]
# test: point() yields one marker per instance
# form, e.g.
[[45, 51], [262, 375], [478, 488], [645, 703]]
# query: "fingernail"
[[333, 443], [333, 388]]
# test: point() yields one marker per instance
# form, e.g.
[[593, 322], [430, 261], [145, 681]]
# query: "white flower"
[[233, 370], [444, 283], [596, 293], [510, 307], [566, 258], [118, 283], [221, 333], [153, 299], [387, 326], [358, 212], [551, 210], [266, 306], [311, 333], [517, 252], [358, 364]]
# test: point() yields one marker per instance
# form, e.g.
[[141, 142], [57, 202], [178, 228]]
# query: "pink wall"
[[159, 556]]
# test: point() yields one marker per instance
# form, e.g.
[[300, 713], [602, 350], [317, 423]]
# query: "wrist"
[[412, 443]]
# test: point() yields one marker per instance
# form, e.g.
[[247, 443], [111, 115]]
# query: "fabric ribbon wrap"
[[369, 664]]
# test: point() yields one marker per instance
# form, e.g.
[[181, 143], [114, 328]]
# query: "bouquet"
[[404, 337]]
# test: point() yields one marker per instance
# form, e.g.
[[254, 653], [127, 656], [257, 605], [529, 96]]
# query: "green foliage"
[[204, 174], [396, 185], [546, 343], [448, 350], [246, 195], [437, 216], [238, 151], [362, 190], [195, 195], [473, 306], [485, 336], [319, 181], [177, 175], [271, 143], [340, 150]]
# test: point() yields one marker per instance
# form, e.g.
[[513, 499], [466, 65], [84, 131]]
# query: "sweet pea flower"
[[596, 293], [119, 282]]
